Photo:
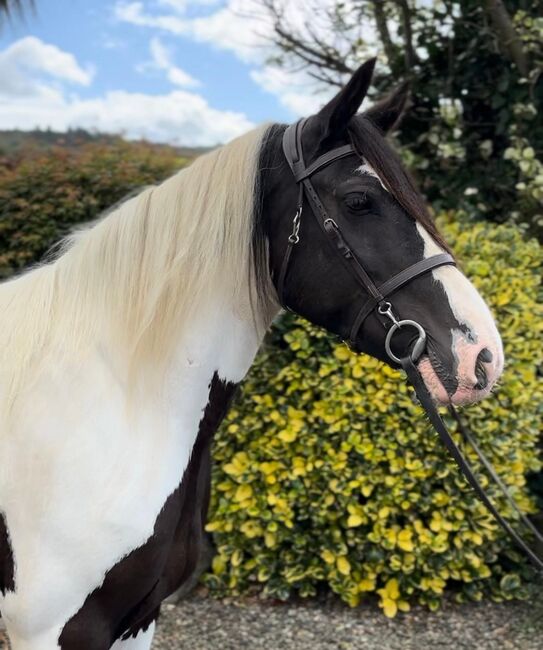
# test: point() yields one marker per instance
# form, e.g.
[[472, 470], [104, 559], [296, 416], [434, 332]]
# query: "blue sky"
[[191, 72]]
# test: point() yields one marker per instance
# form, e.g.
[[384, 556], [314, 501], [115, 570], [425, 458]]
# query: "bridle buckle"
[[385, 309], [294, 237]]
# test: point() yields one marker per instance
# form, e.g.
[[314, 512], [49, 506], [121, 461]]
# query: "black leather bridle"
[[376, 302], [376, 298]]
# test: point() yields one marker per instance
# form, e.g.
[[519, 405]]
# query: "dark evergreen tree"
[[474, 130]]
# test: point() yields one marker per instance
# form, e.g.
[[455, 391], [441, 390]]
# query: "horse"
[[120, 355]]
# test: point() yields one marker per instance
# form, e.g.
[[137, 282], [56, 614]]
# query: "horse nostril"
[[484, 356]]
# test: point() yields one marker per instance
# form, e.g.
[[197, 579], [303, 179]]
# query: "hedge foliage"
[[44, 195], [326, 473]]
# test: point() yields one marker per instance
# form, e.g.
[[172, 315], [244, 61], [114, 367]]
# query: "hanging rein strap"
[[376, 302], [427, 404]]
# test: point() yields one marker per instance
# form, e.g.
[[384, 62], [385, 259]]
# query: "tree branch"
[[384, 33], [324, 58], [324, 78], [411, 57], [11, 7], [507, 36]]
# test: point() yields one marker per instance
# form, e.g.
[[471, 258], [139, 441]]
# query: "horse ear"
[[338, 112], [387, 113]]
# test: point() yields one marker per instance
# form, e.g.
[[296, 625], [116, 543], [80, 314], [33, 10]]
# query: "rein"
[[377, 303]]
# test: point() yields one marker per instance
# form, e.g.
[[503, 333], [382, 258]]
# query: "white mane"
[[131, 282]]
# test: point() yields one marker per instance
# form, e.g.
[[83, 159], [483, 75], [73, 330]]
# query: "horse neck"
[[220, 343]]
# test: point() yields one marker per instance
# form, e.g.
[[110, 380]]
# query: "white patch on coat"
[[469, 309], [465, 301], [82, 484], [367, 169]]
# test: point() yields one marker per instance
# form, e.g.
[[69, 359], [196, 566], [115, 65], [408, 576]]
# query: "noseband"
[[376, 302]]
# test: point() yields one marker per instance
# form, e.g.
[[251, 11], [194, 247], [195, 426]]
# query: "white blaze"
[[470, 310]]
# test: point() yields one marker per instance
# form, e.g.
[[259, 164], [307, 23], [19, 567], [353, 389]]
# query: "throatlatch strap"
[[283, 275], [293, 239], [446, 438]]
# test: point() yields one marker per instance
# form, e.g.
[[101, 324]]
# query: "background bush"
[[44, 194], [327, 473]]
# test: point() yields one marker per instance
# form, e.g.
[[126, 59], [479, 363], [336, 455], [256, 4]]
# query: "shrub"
[[326, 473], [43, 196]]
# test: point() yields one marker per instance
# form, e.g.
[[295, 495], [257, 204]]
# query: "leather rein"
[[378, 302]]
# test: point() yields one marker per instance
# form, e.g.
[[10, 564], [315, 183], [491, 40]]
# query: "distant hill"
[[14, 142]]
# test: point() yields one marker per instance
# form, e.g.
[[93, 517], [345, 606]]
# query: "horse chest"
[[133, 589], [108, 520]]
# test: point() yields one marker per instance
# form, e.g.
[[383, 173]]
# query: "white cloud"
[[35, 92], [244, 28], [133, 12], [27, 65], [240, 26], [161, 59], [178, 117], [183, 5]]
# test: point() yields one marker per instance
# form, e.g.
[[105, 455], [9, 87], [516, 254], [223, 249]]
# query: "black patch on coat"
[[7, 567], [128, 600]]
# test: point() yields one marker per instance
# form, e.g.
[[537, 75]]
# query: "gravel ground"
[[200, 623], [205, 624]]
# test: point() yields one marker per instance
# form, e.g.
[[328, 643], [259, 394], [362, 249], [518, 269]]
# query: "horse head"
[[350, 203]]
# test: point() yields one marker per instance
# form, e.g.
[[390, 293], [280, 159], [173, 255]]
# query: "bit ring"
[[420, 343]]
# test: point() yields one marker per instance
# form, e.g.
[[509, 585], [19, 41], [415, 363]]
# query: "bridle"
[[376, 300], [379, 301]]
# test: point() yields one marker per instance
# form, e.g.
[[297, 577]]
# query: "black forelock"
[[373, 147]]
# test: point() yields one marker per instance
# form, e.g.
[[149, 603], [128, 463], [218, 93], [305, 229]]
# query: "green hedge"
[[326, 473], [45, 194]]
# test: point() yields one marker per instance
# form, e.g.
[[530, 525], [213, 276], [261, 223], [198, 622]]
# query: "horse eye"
[[357, 201]]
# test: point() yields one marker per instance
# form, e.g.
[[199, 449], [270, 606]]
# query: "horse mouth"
[[443, 374], [446, 388]]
